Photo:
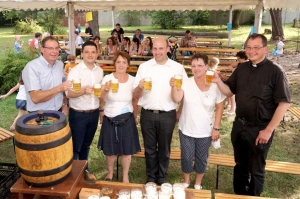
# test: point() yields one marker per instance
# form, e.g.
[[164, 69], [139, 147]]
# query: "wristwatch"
[[217, 129]]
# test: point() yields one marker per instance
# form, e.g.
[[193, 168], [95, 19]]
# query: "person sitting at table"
[[99, 46], [88, 29], [139, 35], [111, 47], [126, 44], [119, 134], [119, 31], [78, 44], [147, 47], [213, 63], [115, 36], [136, 47], [241, 58], [199, 119], [188, 41]]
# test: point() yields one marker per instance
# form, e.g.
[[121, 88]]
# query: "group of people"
[[260, 87]]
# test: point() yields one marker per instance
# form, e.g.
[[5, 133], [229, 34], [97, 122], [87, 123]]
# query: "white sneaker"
[[186, 185], [197, 186]]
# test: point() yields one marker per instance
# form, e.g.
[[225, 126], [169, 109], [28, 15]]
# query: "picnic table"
[[5, 135], [211, 50]]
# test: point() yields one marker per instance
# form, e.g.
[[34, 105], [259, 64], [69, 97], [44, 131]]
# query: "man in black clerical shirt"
[[262, 99]]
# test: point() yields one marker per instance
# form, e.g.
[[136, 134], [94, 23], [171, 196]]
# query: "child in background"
[[213, 63], [279, 48], [72, 63], [20, 100]]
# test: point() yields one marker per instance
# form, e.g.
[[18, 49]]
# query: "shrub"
[[168, 19], [22, 27], [61, 31], [11, 66]]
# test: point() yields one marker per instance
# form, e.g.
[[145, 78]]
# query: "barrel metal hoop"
[[43, 146], [23, 129], [46, 172], [47, 184]]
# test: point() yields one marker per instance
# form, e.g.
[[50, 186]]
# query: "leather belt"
[[247, 123], [156, 111], [85, 111]]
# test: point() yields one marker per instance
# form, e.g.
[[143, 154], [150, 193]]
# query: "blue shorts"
[[21, 104], [277, 55]]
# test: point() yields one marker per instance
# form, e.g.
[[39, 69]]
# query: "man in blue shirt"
[[138, 34]]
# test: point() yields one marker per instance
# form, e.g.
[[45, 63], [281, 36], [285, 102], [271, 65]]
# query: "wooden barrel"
[[44, 153]]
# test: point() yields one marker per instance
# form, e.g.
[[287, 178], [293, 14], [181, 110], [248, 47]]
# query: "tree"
[[94, 24], [276, 16], [168, 19], [236, 19], [50, 20], [198, 17]]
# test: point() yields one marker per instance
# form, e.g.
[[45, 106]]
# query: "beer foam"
[[97, 85], [178, 76], [77, 80], [114, 81], [209, 72], [148, 79]]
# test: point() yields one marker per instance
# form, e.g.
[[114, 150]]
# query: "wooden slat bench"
[[5, 135], [227, 160], [202, 194], [295, 111], [233, 196]]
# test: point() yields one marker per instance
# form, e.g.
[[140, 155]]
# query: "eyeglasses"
[[71, 59], [256, 48], [51, 48]]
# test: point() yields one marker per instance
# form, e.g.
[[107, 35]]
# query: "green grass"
[[285, 145]]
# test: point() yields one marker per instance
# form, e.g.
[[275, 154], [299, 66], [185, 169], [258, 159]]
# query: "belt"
[[156, 111], [85, 111], [247, 123]]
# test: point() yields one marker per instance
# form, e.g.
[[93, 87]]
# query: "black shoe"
[[160, 182]]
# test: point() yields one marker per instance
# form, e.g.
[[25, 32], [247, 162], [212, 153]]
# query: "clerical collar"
[[259, 64]]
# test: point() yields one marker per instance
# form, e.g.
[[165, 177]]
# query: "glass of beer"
[[114, 85], [209, 77], [136, 194], [178, 81], [107, 191], [97, 90], [148, 83], [76, 85]]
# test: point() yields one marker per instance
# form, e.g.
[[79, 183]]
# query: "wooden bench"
[[295, 111], [202, 194], [227, 160], [5, 135], [233, 196]]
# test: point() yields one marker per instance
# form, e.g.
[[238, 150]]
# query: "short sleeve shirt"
[[258, 89]]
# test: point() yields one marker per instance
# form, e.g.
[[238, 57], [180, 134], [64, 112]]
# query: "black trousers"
[[250, 159], [157, 130]]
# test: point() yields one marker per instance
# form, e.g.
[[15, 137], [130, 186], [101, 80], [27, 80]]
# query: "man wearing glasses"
[[44, 80], [262, 99]]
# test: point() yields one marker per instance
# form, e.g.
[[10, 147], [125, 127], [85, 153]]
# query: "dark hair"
[[21, 79], [115, 42], [89, 43], [138, 43], [151, 43], [122, 54], [255, 36], [118, 24], [242, 54], [37, 34], [91, 39], [113, 32], [138, 30], [187, 31], [97, 37], [48, 38], [127, 39], [200, 56]]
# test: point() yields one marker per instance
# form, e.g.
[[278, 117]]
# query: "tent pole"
[[113, 17], [230, 30], [258, 16], [71, 44]]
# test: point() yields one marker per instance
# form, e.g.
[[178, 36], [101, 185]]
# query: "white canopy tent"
[[71, 5]]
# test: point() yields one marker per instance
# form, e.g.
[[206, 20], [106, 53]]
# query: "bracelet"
[[217, 129], [65, 104], [101, 110]]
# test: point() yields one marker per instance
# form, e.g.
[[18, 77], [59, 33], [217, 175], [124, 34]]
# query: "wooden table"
[[211, 50], [68, 189], [110, 62], [5, 135]]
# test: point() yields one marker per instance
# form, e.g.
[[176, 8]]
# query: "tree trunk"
[[94, 24], [277, 30], [236, 19]]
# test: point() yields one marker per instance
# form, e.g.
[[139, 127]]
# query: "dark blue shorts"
[[21, 104]]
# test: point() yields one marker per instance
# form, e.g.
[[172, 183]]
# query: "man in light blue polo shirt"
[[44, 80]]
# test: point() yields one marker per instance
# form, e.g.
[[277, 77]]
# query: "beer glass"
[[136, 193], [76, 85], [178, 187], [167, 187], [209, 77], [124, 194], [148, 83], [114, 85], [179, 194], [97, 90], [107, 191], [178, 81], [164, 194]]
